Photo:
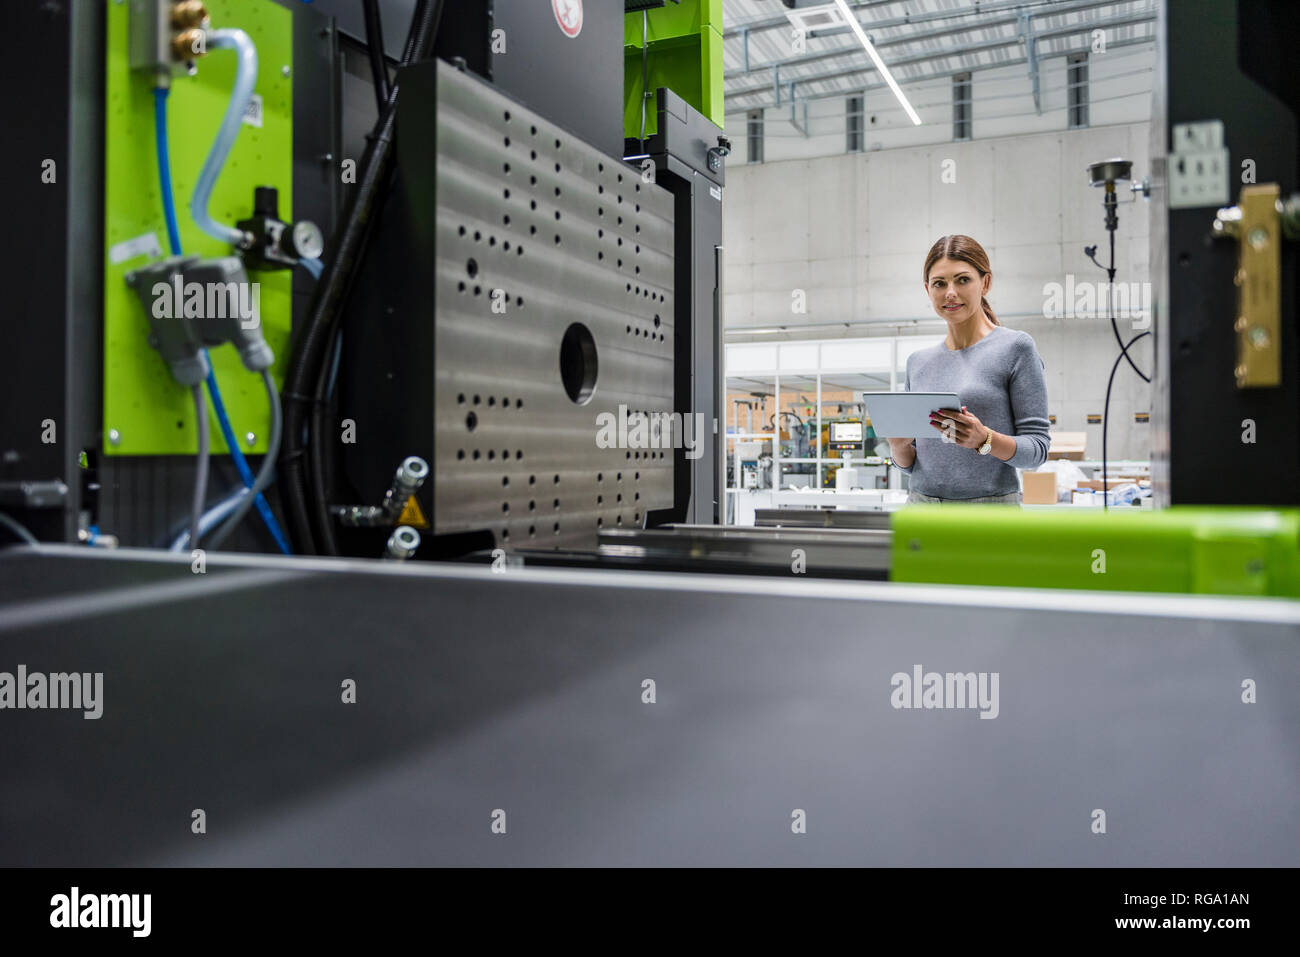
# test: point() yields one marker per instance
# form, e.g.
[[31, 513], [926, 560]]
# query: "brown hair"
[[966, 250]]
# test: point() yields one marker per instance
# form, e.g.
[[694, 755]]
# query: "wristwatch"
[[987, 447]]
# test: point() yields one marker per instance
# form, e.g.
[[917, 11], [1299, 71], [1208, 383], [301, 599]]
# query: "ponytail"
[[988, 311]]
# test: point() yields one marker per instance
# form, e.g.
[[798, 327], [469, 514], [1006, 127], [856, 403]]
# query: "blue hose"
[[165, 167], [214, 392]]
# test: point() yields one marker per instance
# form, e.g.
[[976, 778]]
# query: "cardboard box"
[[1039, 488], [1067, 445]]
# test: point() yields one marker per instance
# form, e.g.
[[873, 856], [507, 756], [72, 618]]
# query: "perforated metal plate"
[[541, 235]]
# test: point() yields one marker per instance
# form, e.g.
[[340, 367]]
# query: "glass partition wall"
[[793, 409]]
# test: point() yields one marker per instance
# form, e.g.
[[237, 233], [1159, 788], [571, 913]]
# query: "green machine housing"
[[678, 46], [1220, 551]]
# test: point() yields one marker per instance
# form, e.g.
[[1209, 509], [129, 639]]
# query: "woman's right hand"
[[902, 451]]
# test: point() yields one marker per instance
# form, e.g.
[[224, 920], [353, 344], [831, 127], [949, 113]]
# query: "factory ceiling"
[[765, 66]]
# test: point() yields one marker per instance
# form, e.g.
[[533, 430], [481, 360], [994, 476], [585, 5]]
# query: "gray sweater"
[[1000, 379]]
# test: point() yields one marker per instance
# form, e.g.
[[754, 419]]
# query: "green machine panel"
[[144, 408], [1218, 551], [683, 52]]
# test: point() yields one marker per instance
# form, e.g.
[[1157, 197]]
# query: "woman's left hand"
[[965, 429]]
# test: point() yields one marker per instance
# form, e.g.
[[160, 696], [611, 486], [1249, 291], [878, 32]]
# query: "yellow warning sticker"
[[413, 515]]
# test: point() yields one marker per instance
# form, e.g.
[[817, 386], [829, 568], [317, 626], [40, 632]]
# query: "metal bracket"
[[794, 122], [1025, 29], [1256, 224]]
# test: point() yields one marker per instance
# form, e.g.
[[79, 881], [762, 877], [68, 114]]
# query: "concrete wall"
[[851, 231]]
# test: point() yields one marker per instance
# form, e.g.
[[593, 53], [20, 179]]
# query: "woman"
[[996, 371]]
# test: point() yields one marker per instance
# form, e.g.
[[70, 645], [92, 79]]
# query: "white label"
[[1198, 166], [715, 193], [1198, 179], [146, 245], [253, 114]]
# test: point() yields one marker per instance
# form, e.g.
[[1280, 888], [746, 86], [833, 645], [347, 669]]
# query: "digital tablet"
[[901, 415]]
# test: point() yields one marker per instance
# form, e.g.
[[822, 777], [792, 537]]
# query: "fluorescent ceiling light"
[[875, 58]]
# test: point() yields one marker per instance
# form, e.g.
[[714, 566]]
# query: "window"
[[1077, 88], [961, 107], [754, 129], [853, 124]]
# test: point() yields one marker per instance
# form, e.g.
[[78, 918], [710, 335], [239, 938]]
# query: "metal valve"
[[274, 243], [402, 544]]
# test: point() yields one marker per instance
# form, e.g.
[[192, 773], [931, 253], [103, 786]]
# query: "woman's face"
[[955, 289]]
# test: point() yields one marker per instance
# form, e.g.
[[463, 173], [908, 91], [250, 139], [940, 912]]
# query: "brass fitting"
[[189, 45], [188, 13]]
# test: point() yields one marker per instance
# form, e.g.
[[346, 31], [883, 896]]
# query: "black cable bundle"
[[305, 492], [375, 49], [1123, 349]]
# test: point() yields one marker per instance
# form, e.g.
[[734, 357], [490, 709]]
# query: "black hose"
[[321, 445], [1105, 418], [1110, 275], [304, 490], [375, 48], [348, 255], [1090, 252], [424, 23]]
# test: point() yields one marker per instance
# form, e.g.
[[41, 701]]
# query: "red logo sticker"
[[568, 14]]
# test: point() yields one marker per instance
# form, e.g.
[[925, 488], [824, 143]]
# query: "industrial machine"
[[513, 284], [753, 464], [848, 438], [468, 261], [798, 441], [845, 436], [1225, 190], [586, 275]]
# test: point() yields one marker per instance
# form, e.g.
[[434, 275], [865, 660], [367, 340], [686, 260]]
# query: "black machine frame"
[[1245, 79]]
